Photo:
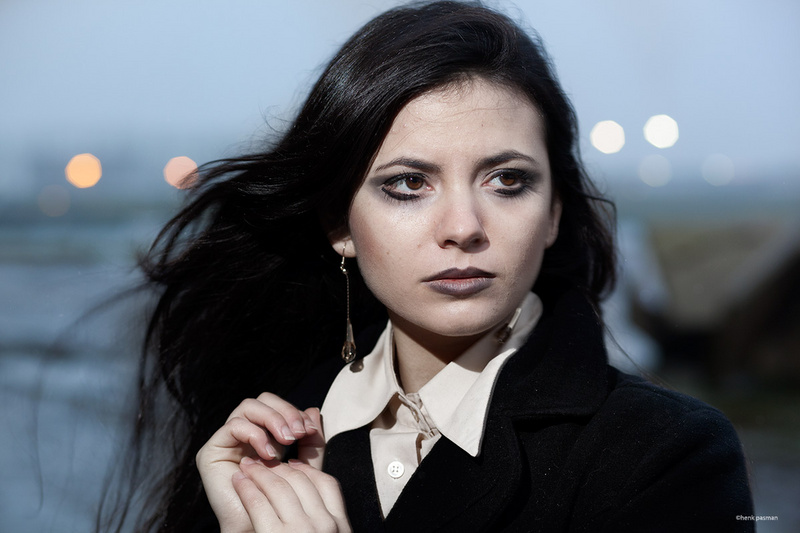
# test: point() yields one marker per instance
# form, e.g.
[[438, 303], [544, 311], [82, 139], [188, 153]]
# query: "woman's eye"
[[404, 186], [509, 182], [413, 183]]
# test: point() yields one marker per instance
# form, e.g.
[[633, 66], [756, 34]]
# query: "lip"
[[460, 273], [459, 282]]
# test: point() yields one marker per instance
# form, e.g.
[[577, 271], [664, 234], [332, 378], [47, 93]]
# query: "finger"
[[284, 494], [238, 431], [296, 420], [312, 502], [313, 425], [255, 503], [236, 439], [328, 488], [311, 449], [269, 418]]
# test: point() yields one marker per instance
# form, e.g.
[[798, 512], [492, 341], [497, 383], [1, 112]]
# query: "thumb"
[[311, 449]]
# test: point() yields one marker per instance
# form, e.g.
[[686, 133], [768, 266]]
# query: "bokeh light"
[[718, 170], [661, 131], [655, 170], [83, 171], [607, 136], [53, 200], [179, 172]]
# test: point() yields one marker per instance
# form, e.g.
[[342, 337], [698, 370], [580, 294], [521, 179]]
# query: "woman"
[[435, 165]]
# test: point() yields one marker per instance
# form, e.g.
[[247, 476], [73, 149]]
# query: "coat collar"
[[561, 371]]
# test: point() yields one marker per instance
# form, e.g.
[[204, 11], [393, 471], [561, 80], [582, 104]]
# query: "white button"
[[396, 469]]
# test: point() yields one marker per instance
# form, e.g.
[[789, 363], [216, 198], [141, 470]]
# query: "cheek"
[[375, 251], [525, 253]]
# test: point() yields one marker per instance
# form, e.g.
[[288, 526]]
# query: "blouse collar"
[[456, 399]]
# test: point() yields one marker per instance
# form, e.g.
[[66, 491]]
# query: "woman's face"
[[451, 223]]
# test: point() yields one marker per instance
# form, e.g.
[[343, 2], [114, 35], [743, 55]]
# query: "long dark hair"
[[249, 296]]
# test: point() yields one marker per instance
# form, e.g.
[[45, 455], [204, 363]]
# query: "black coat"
[[571, 445]]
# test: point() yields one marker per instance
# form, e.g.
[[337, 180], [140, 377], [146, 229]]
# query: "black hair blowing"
[[249, 297]]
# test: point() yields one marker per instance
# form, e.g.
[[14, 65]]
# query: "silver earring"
[[505, 332], [349, 347]]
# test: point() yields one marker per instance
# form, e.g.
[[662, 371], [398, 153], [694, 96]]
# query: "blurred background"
[[690, 120]]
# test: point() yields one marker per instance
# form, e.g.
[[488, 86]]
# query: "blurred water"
[[66, 368]]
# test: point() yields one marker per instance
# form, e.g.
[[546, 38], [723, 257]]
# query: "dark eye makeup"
[[402, 186], [512, 181], [508, 182]]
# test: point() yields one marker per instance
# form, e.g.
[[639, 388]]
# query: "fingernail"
[[312, 425], [294, 462], [298, 427], [247, 461], [287, 433], [271, 451]]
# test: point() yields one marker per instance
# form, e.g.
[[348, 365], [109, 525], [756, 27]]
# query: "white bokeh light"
[[661, 131], [607, 136]]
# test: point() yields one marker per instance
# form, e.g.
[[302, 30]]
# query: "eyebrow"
[[425, 166]]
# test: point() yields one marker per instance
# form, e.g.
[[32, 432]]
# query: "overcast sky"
[[181, 74]]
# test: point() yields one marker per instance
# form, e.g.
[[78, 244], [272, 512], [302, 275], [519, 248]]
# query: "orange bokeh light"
[[83, 171], [179, 172]]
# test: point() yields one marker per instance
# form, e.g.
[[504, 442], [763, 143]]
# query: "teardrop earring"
[[349, 347], [505, 332]]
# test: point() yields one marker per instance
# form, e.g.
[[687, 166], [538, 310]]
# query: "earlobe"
[[339, 237], [343, 246], [555, 219]]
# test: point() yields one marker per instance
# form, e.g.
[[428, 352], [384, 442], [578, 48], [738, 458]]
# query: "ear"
[[555, 219], [342, 243]]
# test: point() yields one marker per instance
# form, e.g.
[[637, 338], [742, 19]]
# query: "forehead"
[[471, 115], [469, 94]]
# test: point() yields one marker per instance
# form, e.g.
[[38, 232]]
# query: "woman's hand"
[[257, 429], [290, 497]]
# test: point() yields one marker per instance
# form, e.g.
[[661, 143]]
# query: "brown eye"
[[414, 183], [508, 180], [405, 187]]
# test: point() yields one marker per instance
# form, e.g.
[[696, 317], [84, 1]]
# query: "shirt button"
[[396, 469]]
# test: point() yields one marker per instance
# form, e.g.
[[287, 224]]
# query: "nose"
[[459, 223]]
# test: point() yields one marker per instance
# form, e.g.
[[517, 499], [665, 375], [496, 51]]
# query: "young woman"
[[428, 197]]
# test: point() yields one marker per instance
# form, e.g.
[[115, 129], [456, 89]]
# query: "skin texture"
[[449, 229], [462, 180]]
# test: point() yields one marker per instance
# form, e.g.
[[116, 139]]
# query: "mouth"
[[460, 283], [460, 273]]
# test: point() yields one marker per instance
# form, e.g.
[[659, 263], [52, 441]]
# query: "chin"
[[454, 318], [467, 324]]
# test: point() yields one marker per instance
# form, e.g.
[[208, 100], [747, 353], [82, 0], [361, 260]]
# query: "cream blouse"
[[405, 426]]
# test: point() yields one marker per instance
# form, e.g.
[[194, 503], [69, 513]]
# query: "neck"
[[421, 355]]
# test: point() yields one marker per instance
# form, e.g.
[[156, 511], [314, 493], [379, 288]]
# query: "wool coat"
[[571, 445]]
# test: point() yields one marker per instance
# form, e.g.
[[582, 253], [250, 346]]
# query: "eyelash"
[[394, 195], [523, 185], [523, 178]]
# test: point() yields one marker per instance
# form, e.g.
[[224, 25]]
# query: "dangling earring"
[[349, 347], [505, 332]]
